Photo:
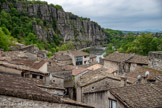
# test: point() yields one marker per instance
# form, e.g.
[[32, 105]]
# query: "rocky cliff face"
[[81, 31]]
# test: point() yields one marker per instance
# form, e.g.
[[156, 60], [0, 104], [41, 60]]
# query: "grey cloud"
[[118, 14]]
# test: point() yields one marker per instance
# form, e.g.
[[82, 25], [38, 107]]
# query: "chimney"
[[123, 81], [47, 80]]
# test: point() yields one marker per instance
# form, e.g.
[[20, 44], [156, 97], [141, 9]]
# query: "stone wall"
[[102, 84], [111, 65], [13, 102], [155, 60], [101, 99]]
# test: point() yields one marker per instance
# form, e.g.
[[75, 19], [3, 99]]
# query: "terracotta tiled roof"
[[78, 70], [140, 96], [142, 71], [39, 64], [139, 59], [118, 57], [79, 53], [94, 67]]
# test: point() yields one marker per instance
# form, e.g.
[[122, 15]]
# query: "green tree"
[[5, 39]]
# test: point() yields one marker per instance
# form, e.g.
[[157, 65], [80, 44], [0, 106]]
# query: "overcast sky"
[[117, 14]]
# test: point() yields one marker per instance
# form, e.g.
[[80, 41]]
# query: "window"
[[112, 103], [79, 60]]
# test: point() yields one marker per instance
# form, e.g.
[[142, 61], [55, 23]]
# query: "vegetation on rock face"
[[129, 43], [6, 39], [20, 25]]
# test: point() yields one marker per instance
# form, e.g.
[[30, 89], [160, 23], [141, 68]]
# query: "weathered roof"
[[61, 57], [38, 65], [18, 67], [19, 55], [28, 89], [77, 70], [142, 70], [23, 88], [140, 96], [79, 53], [95, 66], [139, 59], [118, 57], [70, 101], [28, 63], [93, 76]]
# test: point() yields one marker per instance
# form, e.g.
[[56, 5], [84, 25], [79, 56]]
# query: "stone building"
[[124, 63], [62, 59], [94, 81], [17, 92], [155, 60], [148, 95], [132, 76], [79, 57]]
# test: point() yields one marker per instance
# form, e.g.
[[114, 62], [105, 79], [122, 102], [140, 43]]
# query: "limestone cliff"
[[80, 30]]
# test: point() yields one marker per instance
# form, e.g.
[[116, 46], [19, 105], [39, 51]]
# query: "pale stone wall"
[[58, 81], [102, 84], [44, 68], [79, 94], [101, 100], [111, 65], [86, 60], [98, 100], [13, 102], [155, 60]]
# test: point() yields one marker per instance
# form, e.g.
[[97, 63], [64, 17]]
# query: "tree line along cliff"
[[48, 25]]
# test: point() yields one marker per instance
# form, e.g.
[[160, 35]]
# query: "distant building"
[[79, 57], [124, 63], [62, 59]]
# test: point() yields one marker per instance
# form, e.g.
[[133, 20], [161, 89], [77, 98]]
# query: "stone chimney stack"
[[47, 80], [123, 81]]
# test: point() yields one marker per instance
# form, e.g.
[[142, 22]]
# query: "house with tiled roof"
[[93, 81], [23, 92], [79, 57], [125, 63], [148, 95], [142, 71]]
